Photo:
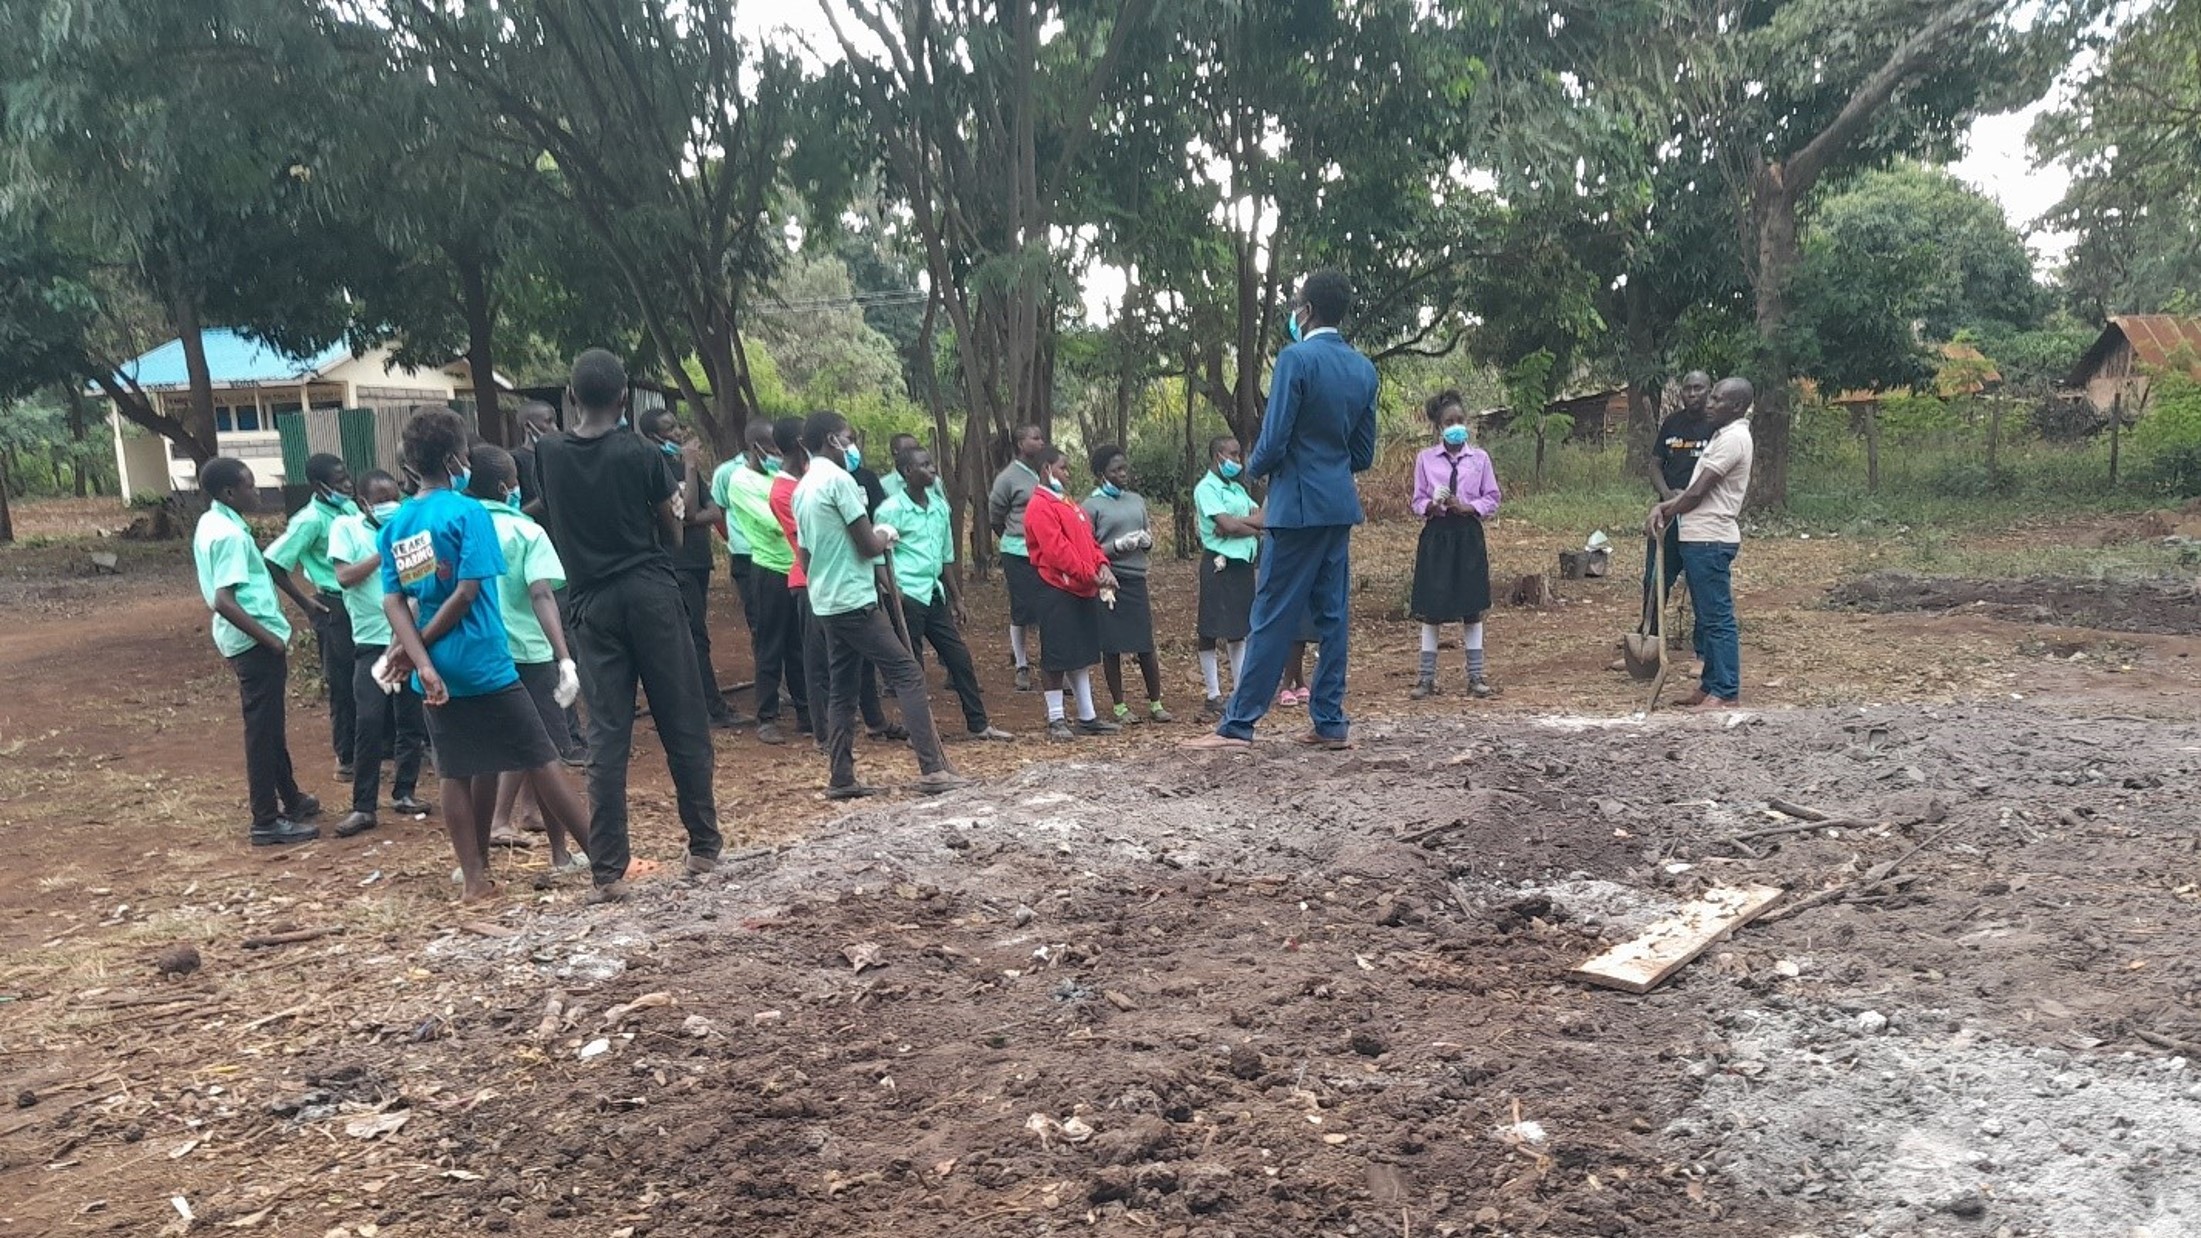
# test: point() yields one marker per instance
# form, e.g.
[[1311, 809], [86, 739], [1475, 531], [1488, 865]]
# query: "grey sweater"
[[1112, 518]]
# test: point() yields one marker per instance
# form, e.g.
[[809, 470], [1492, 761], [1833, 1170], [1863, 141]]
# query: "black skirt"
[[495, 733], [1128, 627], [1025, 589], [1069, 630], [1451, 571], [541, 681], [1226, 599]]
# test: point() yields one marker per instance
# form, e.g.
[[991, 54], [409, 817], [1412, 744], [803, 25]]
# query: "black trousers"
[[934, 624], [332, 630], [627, 630], [378, 714], [263, 676], [695, 595], [851, 640], [775, 633], [576, 734], [742, 570], [816, 670]]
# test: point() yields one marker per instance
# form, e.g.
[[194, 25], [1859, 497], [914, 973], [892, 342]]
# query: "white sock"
[[1016, 645], [1237, 661], [1081, 682], [1429, 638], [1474, 635], [1054, 704], [1210, 673]]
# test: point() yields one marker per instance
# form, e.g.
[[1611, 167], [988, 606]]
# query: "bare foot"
[[485, 891]]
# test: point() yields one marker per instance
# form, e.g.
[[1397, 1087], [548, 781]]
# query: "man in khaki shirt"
[[1711, 537]]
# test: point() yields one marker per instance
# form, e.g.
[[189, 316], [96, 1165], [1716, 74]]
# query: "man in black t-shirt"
[[694, 560], [1681, 439], [613, 508]]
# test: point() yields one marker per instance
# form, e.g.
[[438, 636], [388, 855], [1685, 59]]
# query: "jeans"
[[851, 641], [935, 623], [332, 630], [695, 597], [263, 676], [1304, 572], [632, 628], [376, 712], [1710, 567], [1673, 573]]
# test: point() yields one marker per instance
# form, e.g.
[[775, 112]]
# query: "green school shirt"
[[528, 557], [226, 556], [737, 542], [748, 503], [351, 541], [927, 545], [891, 482], [1214, 497], [305, 542], [826, 501]]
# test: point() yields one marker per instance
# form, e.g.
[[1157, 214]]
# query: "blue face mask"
[[383, 511], [460, 480], [671, 450], [1291, 325], [1455, 436], [852, 456], [1112, 490], [1055, 484], [1230, 469], [512, 500], [771, 466]]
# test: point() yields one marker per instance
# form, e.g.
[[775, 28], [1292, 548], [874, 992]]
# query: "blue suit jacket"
[[1319, 430]]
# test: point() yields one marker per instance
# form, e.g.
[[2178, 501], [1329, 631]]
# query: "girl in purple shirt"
[[1455, 491]]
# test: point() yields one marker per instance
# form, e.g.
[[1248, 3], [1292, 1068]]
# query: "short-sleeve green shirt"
[[528, 557], [737, 542], [748, 503], [927, 545], [226, 556], [351, 541], [826, 501], [305, 542], [1213, 497]]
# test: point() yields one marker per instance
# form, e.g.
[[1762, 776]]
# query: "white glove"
[[1129, 541], [1146, 539], [888, 534], [381, 672], [569, 684]]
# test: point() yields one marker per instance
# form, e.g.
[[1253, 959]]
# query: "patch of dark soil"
[[2168, 606]]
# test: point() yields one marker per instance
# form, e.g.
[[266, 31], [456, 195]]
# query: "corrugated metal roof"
[[232, 360], [2155, 339]]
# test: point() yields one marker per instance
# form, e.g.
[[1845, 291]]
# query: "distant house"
[[2131, 348], [254, 383], [1964, 371]]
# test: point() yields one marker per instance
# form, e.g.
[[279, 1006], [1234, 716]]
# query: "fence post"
[[1994, 437], [2116, 431], [1872, 447]]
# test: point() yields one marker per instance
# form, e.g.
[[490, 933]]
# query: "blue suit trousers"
[[1305, 572]]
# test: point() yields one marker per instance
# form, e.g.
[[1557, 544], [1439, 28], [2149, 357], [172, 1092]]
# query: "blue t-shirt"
[[428, 547]]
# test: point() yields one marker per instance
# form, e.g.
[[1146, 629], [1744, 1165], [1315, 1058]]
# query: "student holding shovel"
[[916, 574]]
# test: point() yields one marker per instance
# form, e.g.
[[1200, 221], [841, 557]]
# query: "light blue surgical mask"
[[772, 466], [1455, 436], [1112, 490], [512, 499], [853, 457], [459, 481], [671, 449], [1291, 325], [383, 511], [1230, 469], [1055, 484]]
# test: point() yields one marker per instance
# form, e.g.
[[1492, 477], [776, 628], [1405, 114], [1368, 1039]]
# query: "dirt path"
[[1115, 987]]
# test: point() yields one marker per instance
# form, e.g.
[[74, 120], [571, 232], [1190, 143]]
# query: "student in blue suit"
[[1319, 430]]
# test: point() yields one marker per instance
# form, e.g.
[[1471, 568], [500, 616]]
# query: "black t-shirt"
[[602, 496], [874, 492], [523, 462], [1681, 439]]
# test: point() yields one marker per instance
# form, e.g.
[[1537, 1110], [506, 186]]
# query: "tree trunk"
[[1773, 209], [7, 517], [489, 416], [1872, 448], [79, 421], [1539, 458], [199, 438], [1643, 384], [1181, 513]]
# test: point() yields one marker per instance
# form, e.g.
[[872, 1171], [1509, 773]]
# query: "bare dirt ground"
[[1121, 990]]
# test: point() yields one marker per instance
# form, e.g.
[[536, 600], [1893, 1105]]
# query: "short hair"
[[492, 469], [907, 456], [222, 474], [1034, 431], [599, 379], [1741, 385], [433, 437], [1104, 456], [758, 433], [787, 435], [1215, 444], [819, 427], [1329, 294], [893, 444], [374, 477], [1050, 455], [321, 467], [654, 416], [538, 410], [1448, 398]]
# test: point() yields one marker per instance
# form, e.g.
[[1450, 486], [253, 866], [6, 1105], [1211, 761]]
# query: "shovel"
[[1658, 674], [1641, 649]]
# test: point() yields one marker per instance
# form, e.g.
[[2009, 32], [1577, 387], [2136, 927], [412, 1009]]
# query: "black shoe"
[[1094, 726], [410, 806], [1024, 679], [344, 771], [281, 831], [1058, 731], [889, 732], [306, 809], [574, 758], [727, 722], [355, 824], [853, 791]]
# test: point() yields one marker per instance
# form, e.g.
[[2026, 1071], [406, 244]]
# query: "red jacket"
[[1058, 537]]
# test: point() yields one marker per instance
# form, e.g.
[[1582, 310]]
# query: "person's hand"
[[1106, 578], [680, 502], [382, 676], [314, 608], [1654, 525], [273, 645], [888, 534], [569, 684], [432, 688], [1128, 542], [961, 616]]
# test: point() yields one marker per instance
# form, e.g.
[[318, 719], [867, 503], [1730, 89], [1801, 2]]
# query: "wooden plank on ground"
[[1643, 962]]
